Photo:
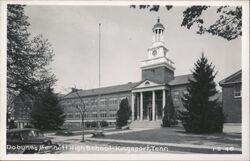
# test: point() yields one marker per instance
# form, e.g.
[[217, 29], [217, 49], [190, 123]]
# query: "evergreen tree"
[[123, 113], [12, 124], [169, 113], [202, 114], [47, 113]]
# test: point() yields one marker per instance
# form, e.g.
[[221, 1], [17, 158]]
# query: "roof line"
[[229, 77], [183, 75]]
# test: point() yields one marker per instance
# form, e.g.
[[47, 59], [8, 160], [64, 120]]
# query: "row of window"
[[94, 102], [94, 114]]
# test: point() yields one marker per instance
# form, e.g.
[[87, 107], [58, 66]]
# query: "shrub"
[[88, 124], [93, 124], [170, 116], [104, 123], [123, 113]]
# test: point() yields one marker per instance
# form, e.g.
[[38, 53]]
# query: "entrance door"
[[150, 112]]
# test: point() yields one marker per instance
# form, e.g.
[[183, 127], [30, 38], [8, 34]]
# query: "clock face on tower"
[[154, 52]]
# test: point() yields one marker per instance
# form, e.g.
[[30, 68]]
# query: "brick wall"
[[90, 109], [231, 105], [159, 74]]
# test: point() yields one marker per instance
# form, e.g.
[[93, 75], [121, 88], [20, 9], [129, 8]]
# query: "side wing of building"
[[101, 104], [231, 96]]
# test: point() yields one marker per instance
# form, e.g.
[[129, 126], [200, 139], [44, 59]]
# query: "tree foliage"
[[227, 26], [202, 113], [123, 113], [27, 57], [47, 113], [170, 115]]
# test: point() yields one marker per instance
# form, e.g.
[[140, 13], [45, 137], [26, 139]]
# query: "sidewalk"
[[172, 146], [77, 138], [173, 139], [177, 140]]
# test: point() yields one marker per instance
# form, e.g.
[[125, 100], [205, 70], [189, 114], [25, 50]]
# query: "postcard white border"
[[245, 91]]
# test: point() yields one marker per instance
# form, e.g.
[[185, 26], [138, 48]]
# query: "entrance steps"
[[145, 124]]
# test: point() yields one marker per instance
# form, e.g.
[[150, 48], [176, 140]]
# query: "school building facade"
[[147, 97]]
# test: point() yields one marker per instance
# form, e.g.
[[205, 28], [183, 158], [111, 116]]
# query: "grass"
[[178, 135]]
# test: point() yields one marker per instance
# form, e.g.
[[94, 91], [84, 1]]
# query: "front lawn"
[[179, 136]]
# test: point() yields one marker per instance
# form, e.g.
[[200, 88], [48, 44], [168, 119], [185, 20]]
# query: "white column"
[[147, 112], [153, 105], [163, 101], [138, 108], [156, 112], [157, 35], [141, 105], [133, 107]]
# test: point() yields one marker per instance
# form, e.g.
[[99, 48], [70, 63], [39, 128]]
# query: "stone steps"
[[145, 124]]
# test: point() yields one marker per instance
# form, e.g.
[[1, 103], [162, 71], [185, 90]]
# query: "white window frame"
[[237, 93], [113, 101], [103, 102]]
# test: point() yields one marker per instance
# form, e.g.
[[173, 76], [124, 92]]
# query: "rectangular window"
[[69, 116], [103, 114], [113, 101], [77, 116], [237, 91], [103, 102], [86, 115], [94, 114], [112, 113]]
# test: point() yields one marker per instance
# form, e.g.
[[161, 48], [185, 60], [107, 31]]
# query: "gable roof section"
[[180, 80], [147, 83], [234, 78], [102, 91]]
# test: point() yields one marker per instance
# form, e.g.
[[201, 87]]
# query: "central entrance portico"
[[149, 96], [148, 101]]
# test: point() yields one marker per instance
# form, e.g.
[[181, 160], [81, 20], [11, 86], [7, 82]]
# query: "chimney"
[[74, 90]]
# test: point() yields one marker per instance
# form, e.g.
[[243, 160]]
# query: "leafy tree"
[[27, 57], [202, 114], [170, 116], [123, 113], [228, 25], [47, 113]]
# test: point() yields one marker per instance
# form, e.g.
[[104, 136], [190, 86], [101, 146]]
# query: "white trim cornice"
[[163, 87]]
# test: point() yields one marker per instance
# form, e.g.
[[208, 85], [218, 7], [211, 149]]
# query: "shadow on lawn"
[[231, 138]]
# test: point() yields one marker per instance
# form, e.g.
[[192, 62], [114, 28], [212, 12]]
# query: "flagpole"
[[99, 55], [98, 124]]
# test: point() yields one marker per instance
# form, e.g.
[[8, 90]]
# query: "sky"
[[126, 34]]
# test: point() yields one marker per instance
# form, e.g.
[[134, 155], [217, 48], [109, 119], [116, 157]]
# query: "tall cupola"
[[158, 66]]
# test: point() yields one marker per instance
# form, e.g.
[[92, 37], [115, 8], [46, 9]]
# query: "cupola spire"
[[158, 30]]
